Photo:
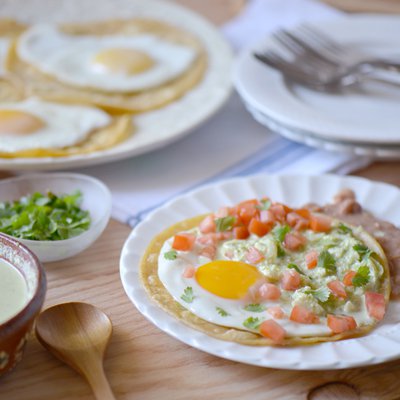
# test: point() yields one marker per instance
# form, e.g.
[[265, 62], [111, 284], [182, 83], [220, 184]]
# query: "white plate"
[[156, 128], [360, 115], [384, 152], [383, 344]]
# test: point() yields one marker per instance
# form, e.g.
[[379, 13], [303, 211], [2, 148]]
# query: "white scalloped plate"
[[383, 344], [345, 116], [156, 128]]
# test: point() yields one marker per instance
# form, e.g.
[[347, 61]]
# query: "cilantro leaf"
[[344, 228], [296, 268], [44, 217], [280, 251], [255, 308], [222, 312], [225, 223], [252, 323], [188, 295], [171, 255], [327, 261], [280, 232], [361, 278], [265, 204], [363, 251], [321, 294]]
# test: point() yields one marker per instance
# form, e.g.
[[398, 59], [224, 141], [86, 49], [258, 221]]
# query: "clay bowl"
[[14, 330]]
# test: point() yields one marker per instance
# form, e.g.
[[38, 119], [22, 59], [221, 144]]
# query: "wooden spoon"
[[78, 334]]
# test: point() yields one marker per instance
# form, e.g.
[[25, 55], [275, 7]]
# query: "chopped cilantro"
[[296, 268], [171, 255], [280, 232], [255, 308], [252, 323], [222, 312], [321, 294], [265, 204], [363, 251], [326, 260], [280, 251], [44, 217], [188, 295], [344, 228], [361, 278], [225, 223]]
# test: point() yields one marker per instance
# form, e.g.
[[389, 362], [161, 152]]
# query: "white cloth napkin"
[[231, 143]]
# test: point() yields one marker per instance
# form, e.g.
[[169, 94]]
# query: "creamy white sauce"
[[13, 291]]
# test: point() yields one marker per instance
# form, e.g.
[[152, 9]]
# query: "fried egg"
[[110, 63], [33, 124], [290, 276]]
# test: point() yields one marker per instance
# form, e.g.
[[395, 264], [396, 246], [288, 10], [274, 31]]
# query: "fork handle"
[[385, 65], [381, 80]]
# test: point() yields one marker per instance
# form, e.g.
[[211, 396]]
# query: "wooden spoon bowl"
[[78, 334]]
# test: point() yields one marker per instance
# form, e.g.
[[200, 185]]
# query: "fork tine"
[[322, 39], [311, 49]]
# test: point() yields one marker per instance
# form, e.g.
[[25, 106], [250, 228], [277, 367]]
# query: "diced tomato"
[[209, 252], [291, 280], [312, 259], [303, 212], [254, 256], [272, 330], [320, 223], [248, 210], [303, 315], [259, 228], [241, 232], [207, 239], [189, 272], [348, 278], [267, 216], [337, 288], [276, 312], [183, 241], [224, 235], [269, 291], [207, 225], [297, 222], [294, 241], [341, 323], [279, 211], [375, 303]]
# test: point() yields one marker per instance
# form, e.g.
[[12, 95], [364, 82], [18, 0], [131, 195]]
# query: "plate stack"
[[362, 120]]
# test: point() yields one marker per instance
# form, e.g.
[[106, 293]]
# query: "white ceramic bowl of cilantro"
[[96, 199]]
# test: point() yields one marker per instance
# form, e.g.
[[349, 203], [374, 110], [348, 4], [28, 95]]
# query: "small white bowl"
[[96, 198]]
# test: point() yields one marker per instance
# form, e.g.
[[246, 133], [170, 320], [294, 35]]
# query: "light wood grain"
[[144, 363]]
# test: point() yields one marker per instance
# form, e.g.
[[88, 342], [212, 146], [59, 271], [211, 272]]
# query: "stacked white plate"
[[363, 120]]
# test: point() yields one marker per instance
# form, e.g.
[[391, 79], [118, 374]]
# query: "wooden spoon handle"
[[99, 384]]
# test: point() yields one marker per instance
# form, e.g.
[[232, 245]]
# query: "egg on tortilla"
[[261, 273], [128, 65], [35, 128]]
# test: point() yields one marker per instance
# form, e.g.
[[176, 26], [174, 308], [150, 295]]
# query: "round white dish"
[[383, 152], [368, 114], [96, 199], [383, 344], [156, 128]]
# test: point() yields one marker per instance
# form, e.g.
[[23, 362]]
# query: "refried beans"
[[346, 208]]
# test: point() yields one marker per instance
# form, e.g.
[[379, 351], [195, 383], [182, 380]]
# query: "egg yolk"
[[19, 122], [227, 279], [123, 61]]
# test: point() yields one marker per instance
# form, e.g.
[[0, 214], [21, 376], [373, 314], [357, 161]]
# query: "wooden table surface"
[[142, 362]]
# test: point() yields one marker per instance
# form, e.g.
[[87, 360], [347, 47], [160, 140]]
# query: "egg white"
[[69, 58], [64, 125]]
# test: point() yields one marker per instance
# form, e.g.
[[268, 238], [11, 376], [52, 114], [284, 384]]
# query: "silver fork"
[[334, 51], [311, 68]]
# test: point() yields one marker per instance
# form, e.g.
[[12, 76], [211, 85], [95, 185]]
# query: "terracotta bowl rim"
[[34, 305]]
